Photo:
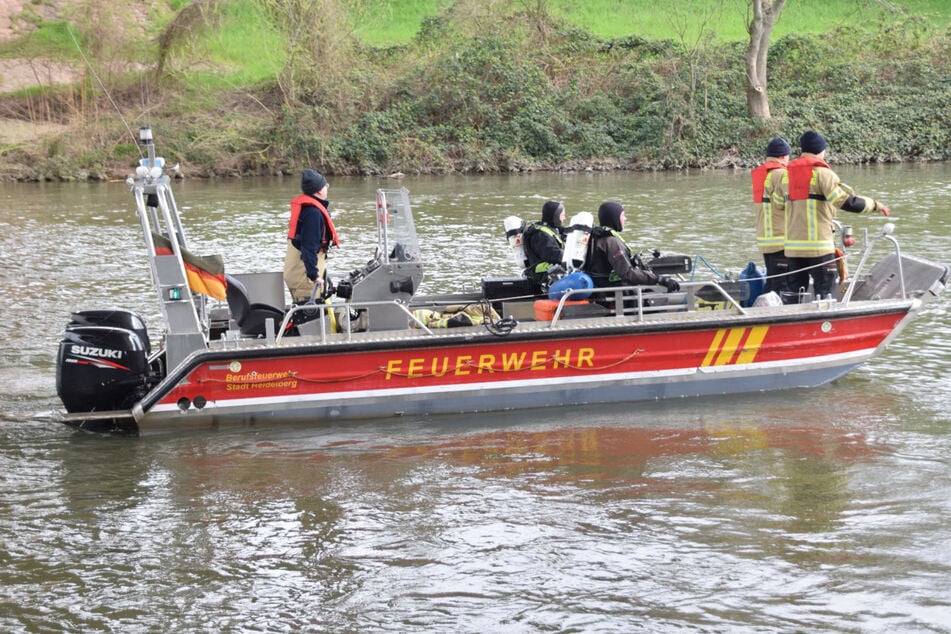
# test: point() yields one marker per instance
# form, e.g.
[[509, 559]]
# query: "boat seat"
[[251, 317]]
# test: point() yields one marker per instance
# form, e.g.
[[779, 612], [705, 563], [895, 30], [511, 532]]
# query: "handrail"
[[886, 233], [638, 292], [327, 307]]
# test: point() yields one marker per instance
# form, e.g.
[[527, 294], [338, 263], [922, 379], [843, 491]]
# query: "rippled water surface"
[[823, 510]]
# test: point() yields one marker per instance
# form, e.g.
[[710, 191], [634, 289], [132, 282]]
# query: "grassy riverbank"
[[397, 21], [466, 86]]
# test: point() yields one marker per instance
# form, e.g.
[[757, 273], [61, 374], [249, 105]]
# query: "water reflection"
[[628, 517], [793, 471]]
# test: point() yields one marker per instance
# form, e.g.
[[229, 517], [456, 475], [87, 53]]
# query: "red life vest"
[[800, 174], [329, 227], [759, 179]]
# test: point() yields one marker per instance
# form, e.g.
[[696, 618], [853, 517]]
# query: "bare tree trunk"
[[760, 26]]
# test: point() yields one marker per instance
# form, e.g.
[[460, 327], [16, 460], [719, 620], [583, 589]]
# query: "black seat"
[[250, 317]]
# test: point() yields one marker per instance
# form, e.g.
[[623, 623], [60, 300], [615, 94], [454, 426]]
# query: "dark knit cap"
[[609, 215], [778, 147], [312, 181], [812, 142], [551, 213]]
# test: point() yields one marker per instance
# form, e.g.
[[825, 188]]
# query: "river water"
[[823, 510]]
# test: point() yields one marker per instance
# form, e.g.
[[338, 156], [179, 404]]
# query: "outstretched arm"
[[625, 269]]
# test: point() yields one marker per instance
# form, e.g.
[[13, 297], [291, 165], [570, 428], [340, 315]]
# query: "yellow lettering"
[[436, 371], [486, 362], [513, 361], [563, 359], [461, 367], [255, 377], [538, 359], [586, 357], [392, 367]]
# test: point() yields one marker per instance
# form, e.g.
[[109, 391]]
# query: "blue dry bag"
[[755, 277], [572, 281]]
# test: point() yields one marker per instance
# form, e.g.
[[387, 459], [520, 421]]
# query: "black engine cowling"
[[103, 363]]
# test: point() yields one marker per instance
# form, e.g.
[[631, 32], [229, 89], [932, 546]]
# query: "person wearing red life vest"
[[769, 197], [310, 234], [814, 194]]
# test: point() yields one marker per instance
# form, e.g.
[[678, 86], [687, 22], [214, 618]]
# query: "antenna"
[[103, 87]]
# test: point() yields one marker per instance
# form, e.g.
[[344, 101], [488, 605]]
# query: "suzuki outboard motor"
[[103, 362]]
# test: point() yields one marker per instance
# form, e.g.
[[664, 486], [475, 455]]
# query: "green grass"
[[246, 43], [242, 49], [388, 22], [397, 21], [51, 39], [248, 50]]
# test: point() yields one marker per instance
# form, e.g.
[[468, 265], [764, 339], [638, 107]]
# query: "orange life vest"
[[329, 228], [800, 175], [759, 179]]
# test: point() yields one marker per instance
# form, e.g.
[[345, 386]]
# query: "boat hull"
[[474, 371]]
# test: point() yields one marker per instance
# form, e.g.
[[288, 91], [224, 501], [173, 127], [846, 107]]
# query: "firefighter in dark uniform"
[[310, 234], [544, 242], [609, 261]]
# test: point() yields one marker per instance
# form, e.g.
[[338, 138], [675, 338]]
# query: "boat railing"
[[869, 242], [634, 300], [324, 309], [637, 300], [636, 295]]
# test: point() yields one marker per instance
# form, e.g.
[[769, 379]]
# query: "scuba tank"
[[514, 227], [577, 239]]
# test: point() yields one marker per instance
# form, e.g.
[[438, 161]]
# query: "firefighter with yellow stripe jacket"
[[815, 193], [769, 196]]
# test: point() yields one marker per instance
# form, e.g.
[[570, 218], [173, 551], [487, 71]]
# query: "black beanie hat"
[[551, 213], [312, 181], [778, 147], [812, 142], [609, 215]]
